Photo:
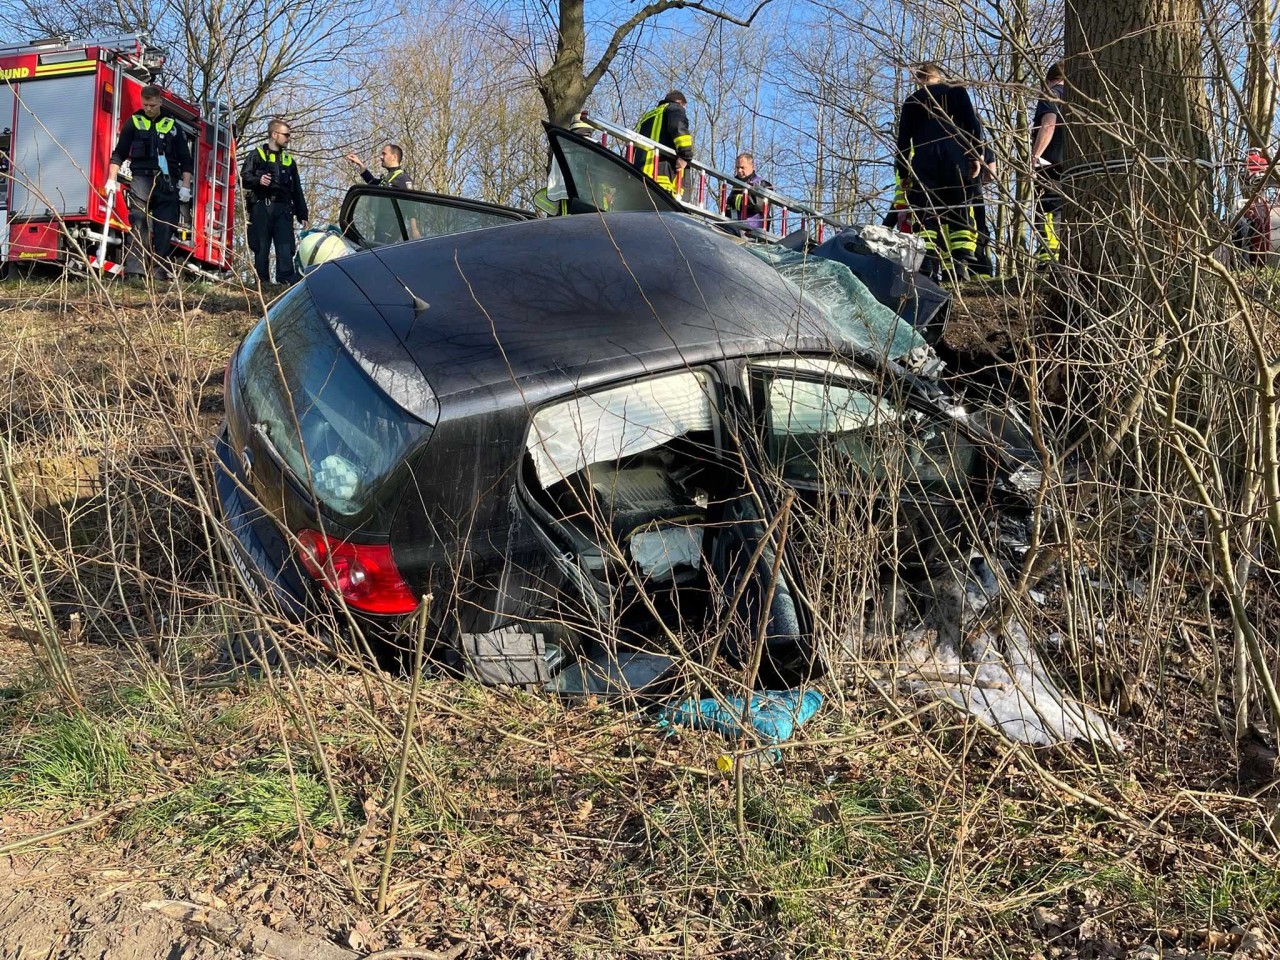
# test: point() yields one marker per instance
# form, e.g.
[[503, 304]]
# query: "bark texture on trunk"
[[1137, 124]]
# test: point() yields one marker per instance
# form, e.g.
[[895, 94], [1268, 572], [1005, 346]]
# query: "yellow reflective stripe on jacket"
[[163, 125], [650, 126], [399, 172], [685, 140], [286, 159]]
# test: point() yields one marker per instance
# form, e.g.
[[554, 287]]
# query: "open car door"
[[587, 178], [373, 216]]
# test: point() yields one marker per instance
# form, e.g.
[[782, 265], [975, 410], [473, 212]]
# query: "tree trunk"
[[1260, 89], [563, 85], [1137, 120]]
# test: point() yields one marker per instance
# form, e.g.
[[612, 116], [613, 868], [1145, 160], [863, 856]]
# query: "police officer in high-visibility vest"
[[939, 149], [386, 224], [667, 124], [393, 175], [160, 162], [273, 188]]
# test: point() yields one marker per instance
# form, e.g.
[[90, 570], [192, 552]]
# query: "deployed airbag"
[[607, 426]]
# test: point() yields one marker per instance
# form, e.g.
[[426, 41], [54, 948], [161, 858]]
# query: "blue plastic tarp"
[[773, 716]]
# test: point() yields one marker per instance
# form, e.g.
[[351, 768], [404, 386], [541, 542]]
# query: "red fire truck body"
[[61, 108]]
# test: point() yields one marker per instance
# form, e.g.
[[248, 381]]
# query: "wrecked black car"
[[585, 438]]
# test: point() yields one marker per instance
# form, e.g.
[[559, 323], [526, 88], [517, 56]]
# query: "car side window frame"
[[559, 137], [346, 218]]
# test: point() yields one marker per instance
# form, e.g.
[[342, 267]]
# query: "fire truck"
[[61, 107]]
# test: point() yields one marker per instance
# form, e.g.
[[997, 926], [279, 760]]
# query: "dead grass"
[[532, 828]]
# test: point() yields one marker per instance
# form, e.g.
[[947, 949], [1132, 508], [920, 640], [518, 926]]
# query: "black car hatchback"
[[577, 434]]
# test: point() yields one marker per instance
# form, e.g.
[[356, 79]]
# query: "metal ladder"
[[782, 214], [217, 207]]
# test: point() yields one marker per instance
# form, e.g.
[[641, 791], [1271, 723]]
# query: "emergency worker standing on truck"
[[160, 162], [667, 124], [273, 191], [743, 204], [938, 152]]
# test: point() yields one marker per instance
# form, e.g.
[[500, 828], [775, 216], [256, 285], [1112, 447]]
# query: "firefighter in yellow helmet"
[[667, 124]]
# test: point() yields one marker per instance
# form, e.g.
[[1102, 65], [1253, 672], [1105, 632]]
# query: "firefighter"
[[1048, 134], [938, 151], [157, 153], [744, 205], [667, 124], [393, 174], [273, 192]]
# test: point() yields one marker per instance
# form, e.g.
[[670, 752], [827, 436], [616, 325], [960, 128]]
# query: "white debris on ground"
[[995, 675]]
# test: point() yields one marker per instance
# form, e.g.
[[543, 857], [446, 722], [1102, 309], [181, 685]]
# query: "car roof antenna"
[[418, 303]]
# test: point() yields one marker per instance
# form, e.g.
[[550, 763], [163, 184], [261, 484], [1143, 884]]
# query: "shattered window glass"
[[823, 431], [813, 423], [853, 313]]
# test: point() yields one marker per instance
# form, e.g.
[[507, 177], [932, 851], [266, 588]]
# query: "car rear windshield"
[[325, 417]]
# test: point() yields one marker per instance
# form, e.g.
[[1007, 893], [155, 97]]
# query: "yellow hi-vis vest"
[[652, 163]]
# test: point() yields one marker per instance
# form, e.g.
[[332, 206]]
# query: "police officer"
[[667, 124], [393, 175], [938, 156], [273, 187], [386, 225], [157, 152]]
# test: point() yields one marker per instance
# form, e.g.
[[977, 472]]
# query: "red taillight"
[[364, 574]]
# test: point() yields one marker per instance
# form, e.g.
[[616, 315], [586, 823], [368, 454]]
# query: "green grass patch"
[[1232, 893], [20, 698], [795, 845], [67, 760], [258, 803]]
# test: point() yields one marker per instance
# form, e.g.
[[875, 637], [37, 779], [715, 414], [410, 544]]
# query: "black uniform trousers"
[[1048, 204], [153, 216], [271, 224], [939, 196], [978, 208]]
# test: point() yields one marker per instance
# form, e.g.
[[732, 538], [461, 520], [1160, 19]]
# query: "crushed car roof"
[[577, 298]]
